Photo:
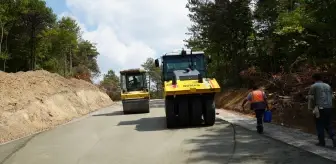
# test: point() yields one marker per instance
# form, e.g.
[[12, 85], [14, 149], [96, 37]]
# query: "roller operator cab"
[[188, 92], [134, 91]]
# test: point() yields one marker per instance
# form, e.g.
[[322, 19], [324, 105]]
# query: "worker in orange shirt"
[[259, 104]]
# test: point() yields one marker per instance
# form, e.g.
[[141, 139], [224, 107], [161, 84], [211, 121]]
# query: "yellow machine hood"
[[191, 87], [134, 95]]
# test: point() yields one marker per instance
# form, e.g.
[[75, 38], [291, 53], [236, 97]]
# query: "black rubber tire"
[[209, 112], [147, 110], [183, 112], [170, 115], [125, 112], [196, 112]]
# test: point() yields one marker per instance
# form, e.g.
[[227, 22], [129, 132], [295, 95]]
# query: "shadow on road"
[[115, 113], [214, 146], [156, 123], [147, 124], [222, 146]]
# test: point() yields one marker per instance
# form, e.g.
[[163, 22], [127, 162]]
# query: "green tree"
[[31, 38], [7, 8], [36, 17], [155, 78], [111, 84], [87, 54], [222, 29], [69, 33], [278, 36]]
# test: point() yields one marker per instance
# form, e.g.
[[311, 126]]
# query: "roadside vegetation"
[[277, 44], [32, 38]]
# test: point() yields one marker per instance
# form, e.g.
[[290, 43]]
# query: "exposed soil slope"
[[38, 100]]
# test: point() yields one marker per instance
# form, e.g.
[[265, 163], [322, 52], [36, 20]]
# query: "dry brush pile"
[[287, 94]]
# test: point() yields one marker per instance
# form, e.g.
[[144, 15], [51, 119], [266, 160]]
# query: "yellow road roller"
[[188, 92], [134, 91]]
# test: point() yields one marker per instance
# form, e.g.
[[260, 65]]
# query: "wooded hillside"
[[32, 38], [277, 44], [278, 36]]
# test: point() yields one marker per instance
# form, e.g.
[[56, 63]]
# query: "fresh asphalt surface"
[[109, 137]]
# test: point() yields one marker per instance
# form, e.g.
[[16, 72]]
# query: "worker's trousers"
[[259, 115], [324, 123]]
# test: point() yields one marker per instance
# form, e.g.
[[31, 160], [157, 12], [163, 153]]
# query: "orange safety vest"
[[257, 96]]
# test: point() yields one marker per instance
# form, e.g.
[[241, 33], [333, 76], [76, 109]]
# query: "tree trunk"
[[1, 39], [6, 50], [149, 79], [6, 43], [157, 89], [2, 34], [70, 62], [65, 64], [32, 55]]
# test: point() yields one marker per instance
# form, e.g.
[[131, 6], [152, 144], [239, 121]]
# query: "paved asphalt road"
[[109, 137]]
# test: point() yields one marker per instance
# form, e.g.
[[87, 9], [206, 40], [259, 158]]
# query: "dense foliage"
[[111, 83], [155, 84], [277, 36], [32, 38]]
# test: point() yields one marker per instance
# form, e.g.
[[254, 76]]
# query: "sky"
[[127, 32]]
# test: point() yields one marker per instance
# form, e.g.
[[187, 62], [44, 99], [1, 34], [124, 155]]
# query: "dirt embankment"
[[39, 100], [285, 112]]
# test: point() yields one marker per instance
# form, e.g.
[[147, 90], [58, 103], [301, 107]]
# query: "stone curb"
[[289, 136]]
